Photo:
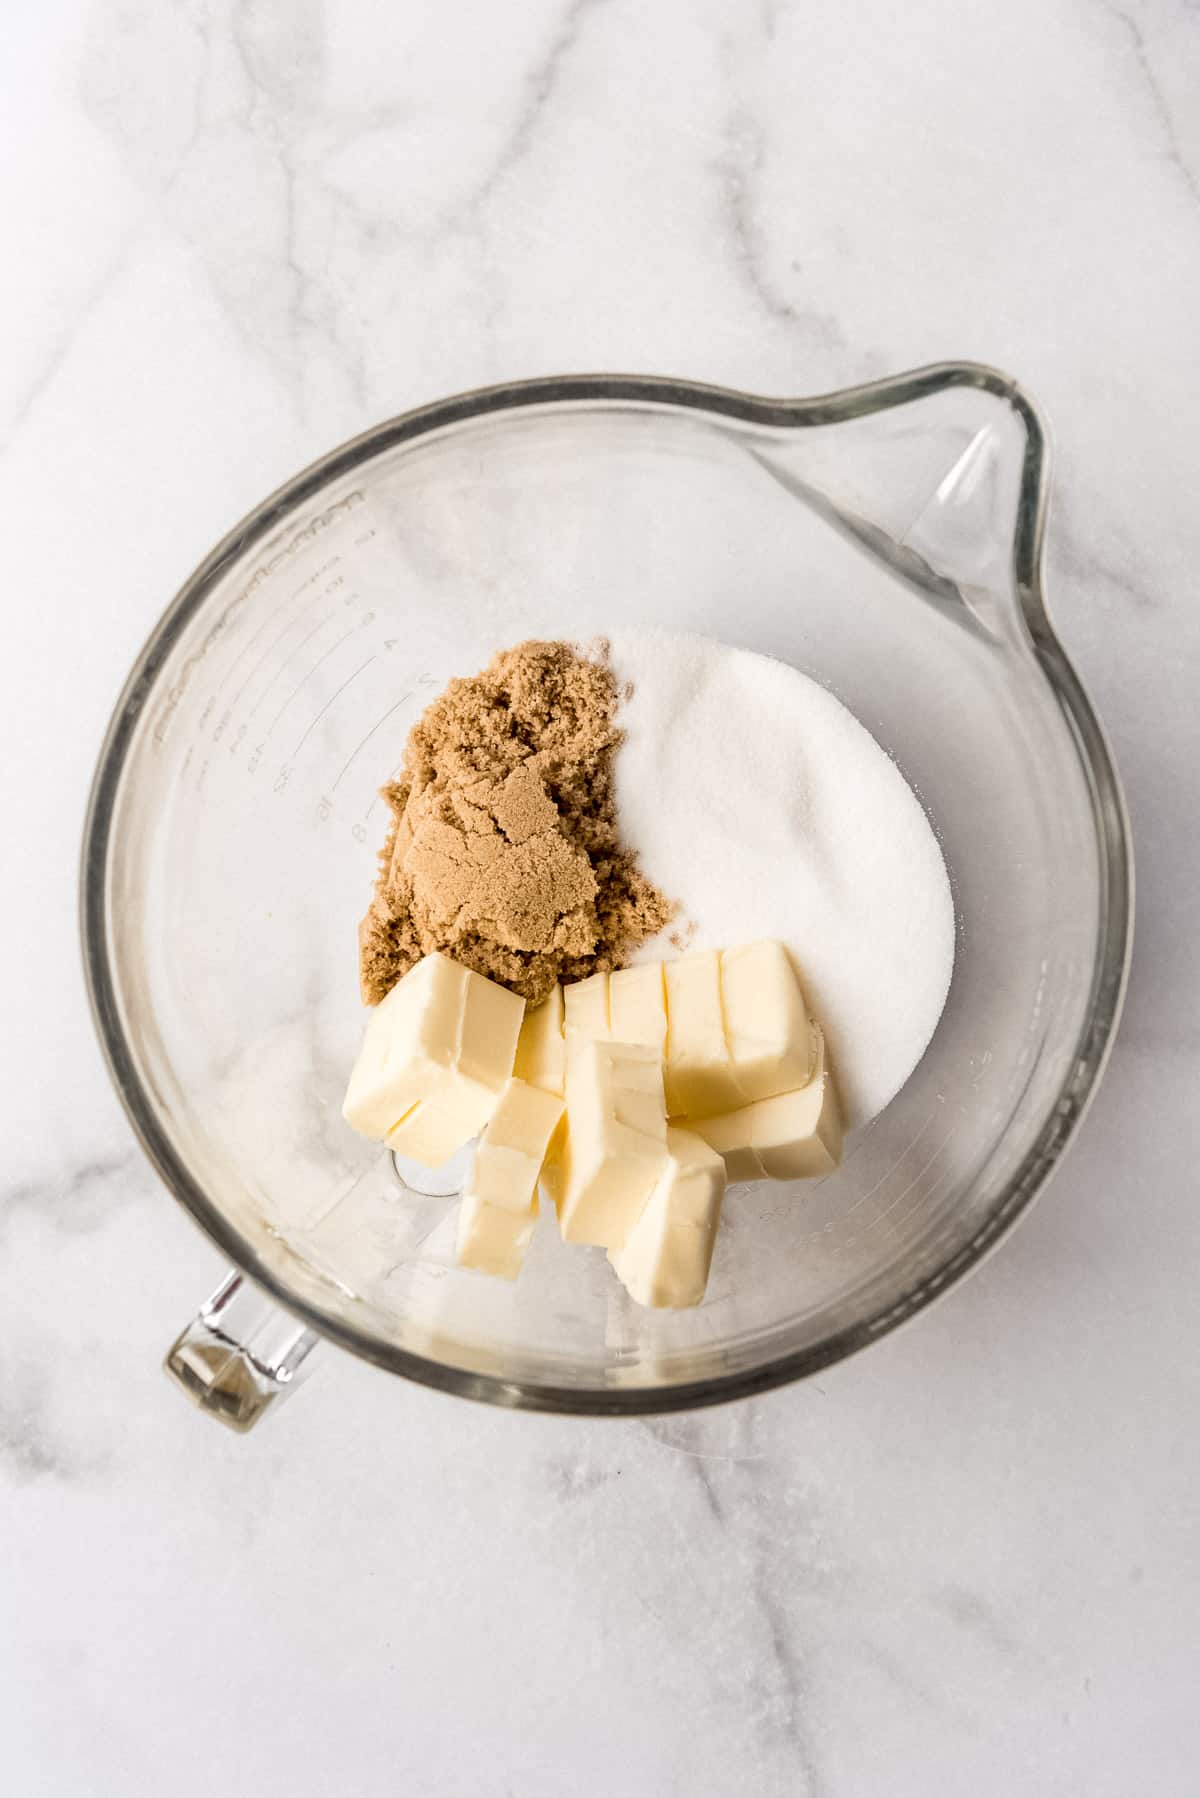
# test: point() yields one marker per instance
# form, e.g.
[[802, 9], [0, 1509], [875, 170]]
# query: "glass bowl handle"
[[239, 1354]]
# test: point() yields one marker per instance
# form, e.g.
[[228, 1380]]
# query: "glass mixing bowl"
[[887, 540]]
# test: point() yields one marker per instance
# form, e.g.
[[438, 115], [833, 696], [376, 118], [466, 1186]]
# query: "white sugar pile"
[[754, 798]]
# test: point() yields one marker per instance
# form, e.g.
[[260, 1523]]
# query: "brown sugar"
[[503, 849]]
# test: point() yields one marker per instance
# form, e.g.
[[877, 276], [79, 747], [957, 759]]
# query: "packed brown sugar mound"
[[503, 848]]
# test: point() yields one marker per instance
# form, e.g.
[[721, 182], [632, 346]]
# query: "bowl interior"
[[241, 822]]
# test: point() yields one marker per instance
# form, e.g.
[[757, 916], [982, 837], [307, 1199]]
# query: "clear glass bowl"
[[887, 540]]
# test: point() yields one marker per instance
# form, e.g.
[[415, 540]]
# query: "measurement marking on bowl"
[[379, 721], [423, 680], [291, 623], [295, 593], [861, 1136], [377, 796], [335, 695], [900, 1197], [268, 620], [838, 1222], [924, 1198], [301, 684], [883, 1178], [307, 638]]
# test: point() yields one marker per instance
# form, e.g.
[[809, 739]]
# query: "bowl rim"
[[1114, 934]]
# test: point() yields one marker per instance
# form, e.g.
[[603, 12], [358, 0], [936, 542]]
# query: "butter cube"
[[586, 1006], [792, 1136], [615, 1146], [737, 1029], [498, 1211], [637, 1006], [767, 1029], [436, 1055], [553, 1175], [541, 1053], [491, 1239], [513, 1147], [666, 1256], [698, 1072]]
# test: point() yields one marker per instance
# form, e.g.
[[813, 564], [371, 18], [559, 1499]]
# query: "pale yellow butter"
[[435, 1057], [586, 1008], [498, 1210], [615, 1143], [792, 1136], [737, 1029], [698, 1073], [553, 1170], [637, 1006], [513, 1147], [541, 1053], [665, 1259], [768, 1032], [492, 1239]]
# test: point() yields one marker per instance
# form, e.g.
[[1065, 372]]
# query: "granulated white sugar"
[[758, 802]]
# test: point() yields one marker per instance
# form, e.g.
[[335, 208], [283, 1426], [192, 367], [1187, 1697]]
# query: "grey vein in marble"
[[736, 1490], [739, 167], [1077, 556], [1166, 117], [82, 1200], [41, 378], [251, 84], [27, 1445], [538, 90]]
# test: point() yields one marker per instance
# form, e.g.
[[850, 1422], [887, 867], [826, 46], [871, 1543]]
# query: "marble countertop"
[[966, 1562]]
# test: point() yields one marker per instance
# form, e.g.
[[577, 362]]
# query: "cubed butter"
[[767, 1027], [698, 1073], [492, 1239], [737, 1029], [437, 1053], [513, 1147], [615, 1144], [541, 1053], [792, 1136], [666, 1256], [637, 1006], [553, 1173], [586, 1008]]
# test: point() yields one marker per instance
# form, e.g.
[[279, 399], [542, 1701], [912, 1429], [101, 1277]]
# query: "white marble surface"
[[237, 231]]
